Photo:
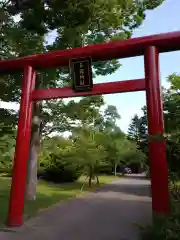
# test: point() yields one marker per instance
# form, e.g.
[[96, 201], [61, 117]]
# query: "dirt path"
[[112, 213]]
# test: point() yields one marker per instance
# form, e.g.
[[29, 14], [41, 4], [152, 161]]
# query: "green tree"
[[7, 138], [172, 123], [112, 144], [134, 129], [24, 31], [134, 157], [137, 130], [90, 153], [59, 160], [7, 146], [111, 116], [171, 102]]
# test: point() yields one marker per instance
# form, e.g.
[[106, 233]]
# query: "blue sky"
[[165, 18]]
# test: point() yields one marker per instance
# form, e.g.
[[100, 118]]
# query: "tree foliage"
[[137, 130], [171, 102], [26, 29]]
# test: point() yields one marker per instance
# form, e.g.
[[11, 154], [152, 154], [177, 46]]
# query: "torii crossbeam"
[[150, 47]]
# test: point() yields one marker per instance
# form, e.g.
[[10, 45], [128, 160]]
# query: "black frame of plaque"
[[77, 67]]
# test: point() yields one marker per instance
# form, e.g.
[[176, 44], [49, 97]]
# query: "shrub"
[[62, 172], [104, 168], [40, 172], [167, 227], [61, 166], [6, 171]]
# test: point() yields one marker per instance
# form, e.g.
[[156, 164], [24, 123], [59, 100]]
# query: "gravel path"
[[112, 213]]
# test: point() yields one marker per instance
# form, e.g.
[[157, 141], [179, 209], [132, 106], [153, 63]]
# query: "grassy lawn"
[[47, 194]]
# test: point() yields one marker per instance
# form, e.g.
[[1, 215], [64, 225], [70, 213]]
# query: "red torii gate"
[[150, 47]]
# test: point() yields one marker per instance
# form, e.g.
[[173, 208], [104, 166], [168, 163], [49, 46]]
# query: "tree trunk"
[[97, 178], [34, 152], [90, 180], [115, 169], [32, 174], [90, 176], [33, 161]]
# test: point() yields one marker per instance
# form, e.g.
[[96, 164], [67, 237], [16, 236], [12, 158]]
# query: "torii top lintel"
[[105, 51]]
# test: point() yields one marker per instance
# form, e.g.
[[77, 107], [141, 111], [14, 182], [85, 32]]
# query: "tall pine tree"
[[137, 130]]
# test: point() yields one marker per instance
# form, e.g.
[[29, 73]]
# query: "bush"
[[40, 172], [104, 168], [167, 227], [6, 171], [62, 173], [60, 166]]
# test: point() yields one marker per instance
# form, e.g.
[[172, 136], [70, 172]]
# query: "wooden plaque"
[[81, 73]]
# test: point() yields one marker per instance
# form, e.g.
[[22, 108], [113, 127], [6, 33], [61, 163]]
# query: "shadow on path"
[[129, 188], [135, 176], [112, 213]]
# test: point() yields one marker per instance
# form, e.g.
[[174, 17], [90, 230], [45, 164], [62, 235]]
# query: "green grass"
[[47, 194]]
